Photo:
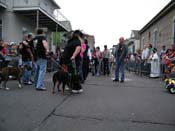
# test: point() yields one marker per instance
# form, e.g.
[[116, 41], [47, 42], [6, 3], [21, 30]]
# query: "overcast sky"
[[107, 20]]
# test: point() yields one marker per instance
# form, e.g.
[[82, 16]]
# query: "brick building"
[[161, 29]]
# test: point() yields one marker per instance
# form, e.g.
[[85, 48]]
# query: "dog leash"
[[64, 67], [59, 66]]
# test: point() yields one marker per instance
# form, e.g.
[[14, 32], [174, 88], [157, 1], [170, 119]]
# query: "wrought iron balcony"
[[48, 7]]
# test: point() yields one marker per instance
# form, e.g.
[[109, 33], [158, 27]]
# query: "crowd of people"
[[33, 53], [161, 63], [102, 61]]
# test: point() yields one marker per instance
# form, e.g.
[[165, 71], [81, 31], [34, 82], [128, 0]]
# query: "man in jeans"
[[106, 57], [120, 55], [27, 59], [41, 50]]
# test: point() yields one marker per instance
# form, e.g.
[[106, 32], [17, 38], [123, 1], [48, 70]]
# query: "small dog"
[[16, 72], [60, 77]]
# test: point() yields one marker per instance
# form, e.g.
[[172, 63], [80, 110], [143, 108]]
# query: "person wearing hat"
[[120, 55], [12, 49]]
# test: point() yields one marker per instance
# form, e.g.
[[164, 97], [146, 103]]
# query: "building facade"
[[133, 42], [161, 29], [18, 17], [91, 41]]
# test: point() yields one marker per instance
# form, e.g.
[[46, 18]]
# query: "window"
[[132, 35], [155, 38], [0, 29], [133, 48], [143, 42], [149, 35]]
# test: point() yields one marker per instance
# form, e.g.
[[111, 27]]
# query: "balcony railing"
[[55, 13], [60, 17], [3, 3]]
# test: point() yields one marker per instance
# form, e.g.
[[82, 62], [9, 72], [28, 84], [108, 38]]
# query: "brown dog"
[[60, 77], [16, 72]]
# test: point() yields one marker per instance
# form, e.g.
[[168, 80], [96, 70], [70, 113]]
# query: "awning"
[[44, 19]]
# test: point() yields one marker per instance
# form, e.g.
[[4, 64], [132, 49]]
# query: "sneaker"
[[32, 81], [122, 81], [44, 89], [74, 91], [115, 80], [29, 83], [10, 77], [80, 91], [41, 89], [25, 82], [98, 74], [7, 88], [67, 88]]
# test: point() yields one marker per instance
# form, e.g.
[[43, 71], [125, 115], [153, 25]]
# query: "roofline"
[[167, 8], [3, 5], [55, 20], [26, 8], [56, 4], [40, 9], [135, 30]]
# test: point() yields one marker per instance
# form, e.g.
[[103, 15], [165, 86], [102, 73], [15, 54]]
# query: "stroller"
[[170, 79], [170, 85]]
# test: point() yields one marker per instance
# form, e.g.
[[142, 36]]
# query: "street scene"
[[66, 67]]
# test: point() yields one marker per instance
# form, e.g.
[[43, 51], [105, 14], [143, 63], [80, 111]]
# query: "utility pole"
[[37, 19]]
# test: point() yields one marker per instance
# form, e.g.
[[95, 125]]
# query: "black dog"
[[60, 77], [16, 72], [72, 81]]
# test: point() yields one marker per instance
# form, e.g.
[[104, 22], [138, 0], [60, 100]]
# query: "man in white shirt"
[[145, 52]]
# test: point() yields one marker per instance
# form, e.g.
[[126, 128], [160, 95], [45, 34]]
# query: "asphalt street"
[[138, 104]]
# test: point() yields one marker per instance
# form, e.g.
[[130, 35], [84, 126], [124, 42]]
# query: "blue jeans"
[[41, 65], [120, 65], [99, 68], [27, 71]]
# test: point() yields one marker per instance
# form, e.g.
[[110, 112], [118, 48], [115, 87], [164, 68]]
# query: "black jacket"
[[121, 52]]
